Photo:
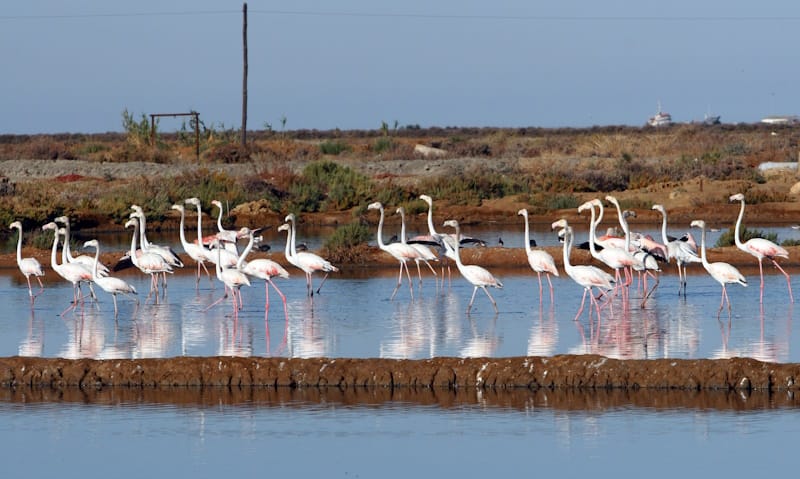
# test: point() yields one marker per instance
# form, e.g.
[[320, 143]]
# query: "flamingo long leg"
[[788, 280]]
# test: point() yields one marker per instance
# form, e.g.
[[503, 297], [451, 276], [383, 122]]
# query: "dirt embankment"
[[557, 372]]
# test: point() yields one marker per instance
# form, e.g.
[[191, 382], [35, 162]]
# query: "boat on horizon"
[[661, 118]]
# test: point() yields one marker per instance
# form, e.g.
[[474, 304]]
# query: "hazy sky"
[[74, 66]]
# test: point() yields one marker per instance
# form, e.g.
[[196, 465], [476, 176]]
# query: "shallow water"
[[329, 436], [353, 317]]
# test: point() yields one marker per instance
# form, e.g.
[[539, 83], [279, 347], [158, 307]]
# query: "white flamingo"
[[229, 258], [83, 259], [760, 248], [229, 237], [541, 261], [612, 256], [723, 273], [424, 253], [586, 276], [682, 251], [196, 251], [262, 268], [305, 260], [148, 263], [73, 272], [477, 275], [109, 284], [164, 251], [28, 266], [233, 279], [400, 251]]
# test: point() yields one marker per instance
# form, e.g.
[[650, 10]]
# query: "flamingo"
[[232, 278], [262, 268], [229, 258], [478, 276], [83, 259], [722, 272], [541, 261], [682, 251], [586, 276], [148, 263], [164, 251], [196, 251], [424, 253], [760, 248], [612, 256], [305, 260], [645, 254], [75, 273], [28, 266], [400, 251], [109, 284], [229, 236]]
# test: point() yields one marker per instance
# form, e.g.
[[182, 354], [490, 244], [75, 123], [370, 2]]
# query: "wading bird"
[[400, 251], [760, 248], [109, 284], [477, 275], [28, 266], [305, 260], [541, 261], [722, 272]]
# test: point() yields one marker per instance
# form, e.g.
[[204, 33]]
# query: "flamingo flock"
[[616, 258]]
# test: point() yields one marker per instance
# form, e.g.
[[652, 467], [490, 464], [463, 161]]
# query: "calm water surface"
[[396, 437]]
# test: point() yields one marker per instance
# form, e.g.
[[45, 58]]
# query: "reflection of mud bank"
[[512, 399], [584, 372]]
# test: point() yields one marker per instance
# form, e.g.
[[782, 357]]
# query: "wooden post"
[[244, 75], [197, 135]]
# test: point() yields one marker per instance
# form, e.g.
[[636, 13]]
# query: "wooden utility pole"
[[244, 75]]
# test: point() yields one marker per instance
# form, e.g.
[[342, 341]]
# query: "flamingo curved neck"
[[736, 237], [527, 233], [240, 263], [134, 260], [593, 235], [703, 256], [381, 245], [456, 249], [96, 260], [664, 227], [402, 226], [19, 246], [182, 234], [292, 232], [199, 226], [431, 229], [567, 246], [53, 255]]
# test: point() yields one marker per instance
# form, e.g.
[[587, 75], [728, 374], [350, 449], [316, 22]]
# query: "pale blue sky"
[[74, 66]]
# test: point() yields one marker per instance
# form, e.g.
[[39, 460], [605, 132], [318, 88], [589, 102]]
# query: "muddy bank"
[[519, 399], [569, 372]]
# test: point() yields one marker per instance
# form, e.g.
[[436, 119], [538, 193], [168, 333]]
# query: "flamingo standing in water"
[[477, 275], [229, 258], [760, 248], [722, 272], [682, 251], [400, 251], [196, 251], [424, 253], [109, 284], [541, 261], [586, 276], [233, 279], [148, 263], [262, 268], [612, 256], [305, 260], [28, 266], [83, 259], [75, 273]]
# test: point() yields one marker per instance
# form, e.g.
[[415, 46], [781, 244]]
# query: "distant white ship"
[[661, 118]]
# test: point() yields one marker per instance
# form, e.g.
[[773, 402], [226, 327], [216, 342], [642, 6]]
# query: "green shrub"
[[333, 147], [348, 243], [727, 238]]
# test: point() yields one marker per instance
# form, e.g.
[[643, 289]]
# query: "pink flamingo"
[[109, 284], [305, 260], [233, 279], [760, 248], [684, 252], [195, 251], [424, 253], [477, 275], [28, 266], [73, 272], [541, 261], [400, 251], [612, 256], [586, 276], [722, 272], [262, 268], [148, 263], [83, 259]]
